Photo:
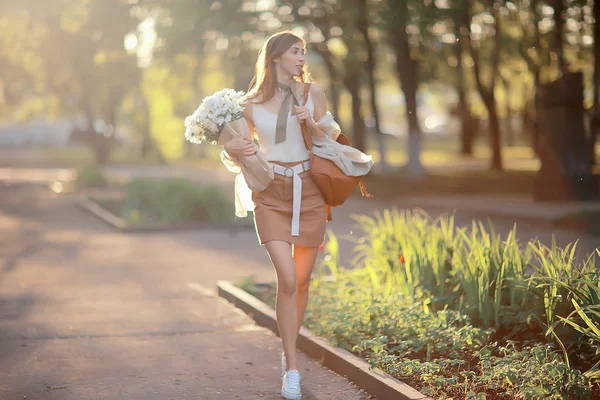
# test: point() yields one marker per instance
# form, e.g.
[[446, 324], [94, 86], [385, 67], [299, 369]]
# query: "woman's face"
[[292, 61]]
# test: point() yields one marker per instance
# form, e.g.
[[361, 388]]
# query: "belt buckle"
[[289, 172]]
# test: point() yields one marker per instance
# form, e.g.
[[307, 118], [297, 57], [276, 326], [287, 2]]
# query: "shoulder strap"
[[305, 132], [306, 92]]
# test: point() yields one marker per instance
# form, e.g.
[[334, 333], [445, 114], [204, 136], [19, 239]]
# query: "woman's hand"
[[303, 114], [240, 147]]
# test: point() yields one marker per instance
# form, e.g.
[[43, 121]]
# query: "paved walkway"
[[88, 313]]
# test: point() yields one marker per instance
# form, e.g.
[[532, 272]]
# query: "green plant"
[[407, 251], [91, 175], [485, 267], [175, 200], [473, 269], [530, 373], [460, 312], [571, 295], [440, 352]]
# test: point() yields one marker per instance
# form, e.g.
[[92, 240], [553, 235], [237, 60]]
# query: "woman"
[[290, 215]]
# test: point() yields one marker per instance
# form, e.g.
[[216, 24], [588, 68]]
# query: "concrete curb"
[[89, 205], [374, 382]]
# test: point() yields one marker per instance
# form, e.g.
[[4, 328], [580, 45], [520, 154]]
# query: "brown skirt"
[[273, 211]]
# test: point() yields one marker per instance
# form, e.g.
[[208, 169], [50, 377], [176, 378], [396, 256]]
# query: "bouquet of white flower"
[[207, 122], [220, 118]]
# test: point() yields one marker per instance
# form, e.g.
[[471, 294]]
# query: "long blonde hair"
[[264, 82]]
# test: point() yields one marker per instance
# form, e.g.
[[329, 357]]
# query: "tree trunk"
[[407, 75], [83, 73], [559, 22], [536, 112], [535, 68], [358, 124], [101, 149], [334, 78], [487, 93], [495, 135], [467, 132], [363, 26], [95, 140], [595, 117], [509, 132]]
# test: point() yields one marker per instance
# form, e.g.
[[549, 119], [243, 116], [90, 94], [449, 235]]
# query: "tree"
[[396, 15], [461, 19], [595, 125], [487, 91], [83, 67], [364, 27]]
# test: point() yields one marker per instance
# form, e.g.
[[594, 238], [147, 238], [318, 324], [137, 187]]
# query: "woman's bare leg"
[[287, 291], [305, 258]]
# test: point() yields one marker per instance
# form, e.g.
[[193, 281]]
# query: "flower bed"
[[459, 312]]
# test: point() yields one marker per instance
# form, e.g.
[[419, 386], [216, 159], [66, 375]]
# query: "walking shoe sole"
[[289, 396]]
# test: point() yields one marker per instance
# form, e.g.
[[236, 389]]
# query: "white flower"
[[205, 123]]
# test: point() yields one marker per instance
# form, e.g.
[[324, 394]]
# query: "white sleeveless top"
[[292, 149]]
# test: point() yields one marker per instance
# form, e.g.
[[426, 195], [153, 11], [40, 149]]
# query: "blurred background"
[[425, 86]]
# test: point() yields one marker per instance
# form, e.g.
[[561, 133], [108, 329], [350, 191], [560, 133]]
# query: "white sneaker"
[[290, 389], [283, 364]]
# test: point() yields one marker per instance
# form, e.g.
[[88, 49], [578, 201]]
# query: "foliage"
[[521, 292], [89, 58], [460, 312], [175, 200], [530, 373], [389, 323], [91, 175], [429, 258]]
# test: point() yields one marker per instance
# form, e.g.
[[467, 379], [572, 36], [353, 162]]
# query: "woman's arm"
[[237, 147], [319, 101]]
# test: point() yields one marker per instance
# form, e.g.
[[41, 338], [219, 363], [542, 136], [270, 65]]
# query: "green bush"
[[175, 200], [91, 175]]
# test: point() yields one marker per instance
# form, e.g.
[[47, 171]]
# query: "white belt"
[[297, 190]]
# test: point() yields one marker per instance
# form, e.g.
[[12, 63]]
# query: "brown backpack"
[[334, 184]]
